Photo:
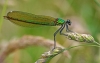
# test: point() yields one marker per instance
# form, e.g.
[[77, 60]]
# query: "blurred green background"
[[85, 18]]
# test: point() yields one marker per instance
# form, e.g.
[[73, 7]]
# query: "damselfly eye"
[[68, 22]]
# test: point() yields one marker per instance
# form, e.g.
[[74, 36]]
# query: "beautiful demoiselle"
[[29, 20]]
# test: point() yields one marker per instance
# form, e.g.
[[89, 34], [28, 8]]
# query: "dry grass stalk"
[[23, 42]]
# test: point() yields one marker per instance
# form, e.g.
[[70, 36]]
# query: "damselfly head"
[[68, 22]]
